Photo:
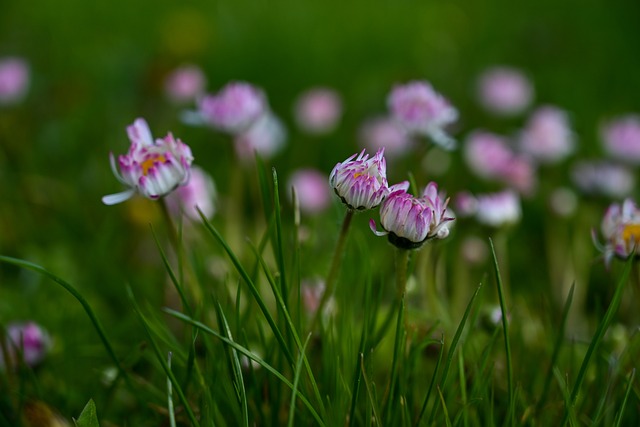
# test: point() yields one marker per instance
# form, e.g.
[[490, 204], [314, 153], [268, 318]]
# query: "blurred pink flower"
[[488, 155], [563, 202], [409, 221], [621, 138], [312, 190], [14, 80], [235, 108], [474, 250], [361, 182], [150, 168], [318, 110], [466, 204], [504, 91], [547, 137], [28, 340], [185, 84], [421, 110], [383, 132], [621, 230], [498, 209], [199, 192], [603, 178], [266, 136]]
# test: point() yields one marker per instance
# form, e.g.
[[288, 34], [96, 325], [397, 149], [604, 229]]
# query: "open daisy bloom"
[[410, 221], [153, 169], [621, 230], [361, 182]]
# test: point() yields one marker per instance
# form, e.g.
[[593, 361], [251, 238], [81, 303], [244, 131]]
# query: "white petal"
[[114, 199]]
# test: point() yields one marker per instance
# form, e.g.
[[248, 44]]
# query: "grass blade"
[[505, 332], [626, 397], [172, 415], [163, 362], [454, 344], [204, 328], [556, 348], [278, 248], [602, 328], [431, 384], [87, 308], [252, 287], [372, 400], [296, 378]]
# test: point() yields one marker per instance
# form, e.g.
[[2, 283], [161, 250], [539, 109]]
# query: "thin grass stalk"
[[279, 249], [454, 345], [370, 393], [250, 355], [556, 349], [87, 308], [431, 384], [626, 398], [505, 332], [162, 361], [172, 415], [181, 255], [291, 326], [335, 267], [296, 378], [254, 291], [241, 393], [600, 331]]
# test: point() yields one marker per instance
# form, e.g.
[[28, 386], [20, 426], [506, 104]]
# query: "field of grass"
[[163, 320]]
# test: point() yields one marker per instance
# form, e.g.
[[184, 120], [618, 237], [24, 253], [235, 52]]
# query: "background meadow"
[[94, 68]]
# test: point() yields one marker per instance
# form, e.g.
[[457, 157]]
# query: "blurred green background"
[[96, 66]]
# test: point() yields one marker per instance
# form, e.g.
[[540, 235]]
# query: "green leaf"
[[88, 417]]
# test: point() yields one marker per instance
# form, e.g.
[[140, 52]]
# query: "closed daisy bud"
[[409, 221], [150, 168], [361, 182]]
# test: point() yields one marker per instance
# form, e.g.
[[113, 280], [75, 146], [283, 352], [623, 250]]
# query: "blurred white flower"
[[318, 110]]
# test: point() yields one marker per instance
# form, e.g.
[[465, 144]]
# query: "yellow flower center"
[[148, 164], [357, 174], [631, 231]]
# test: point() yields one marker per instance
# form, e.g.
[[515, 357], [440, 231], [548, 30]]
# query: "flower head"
[[266, 136], [621, 138], [361, 182], [421, 110], [318, 110], [383, 132], [185, 84], [14, 80], [198, 193], [504, 91], [28, 340], [498, 209], [548, 137], [621, 230], [603, 178], [311, 190], [410, 221], [235, 108], [150, 168]]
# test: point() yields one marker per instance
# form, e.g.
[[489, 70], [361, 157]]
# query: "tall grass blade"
[[279, 249], [296, 378], [454, 344], [556, 348], [172, 415], [161, 359], [87, 308], [252, 288], [236, 368], [600, 331], [626, 398], [444, 408], [370, 393], [204, 328], [505, 332], [431, 384]]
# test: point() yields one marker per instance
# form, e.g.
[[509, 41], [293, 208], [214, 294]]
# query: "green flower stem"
[[402, 260], [183, 262], [335, 267]]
